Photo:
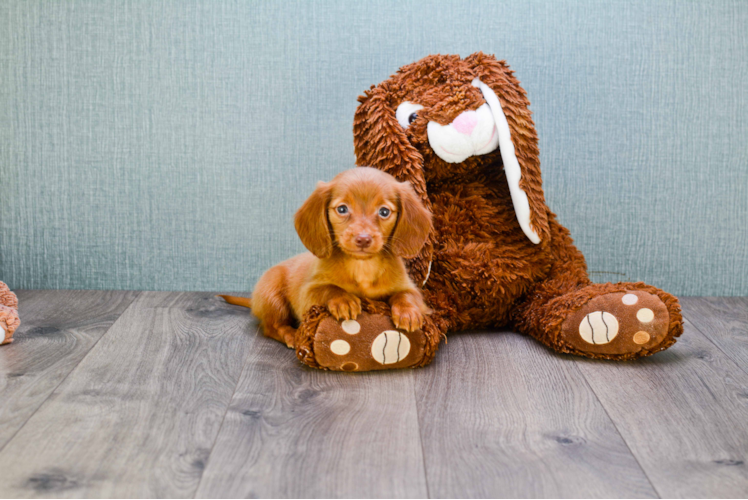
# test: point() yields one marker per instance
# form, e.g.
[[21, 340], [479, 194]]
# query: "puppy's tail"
[[237, 301]]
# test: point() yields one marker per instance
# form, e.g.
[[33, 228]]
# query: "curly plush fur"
[[9, 320], [484, 271], [497, 256]]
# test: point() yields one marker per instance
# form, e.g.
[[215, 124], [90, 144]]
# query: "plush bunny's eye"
[[407, 113]]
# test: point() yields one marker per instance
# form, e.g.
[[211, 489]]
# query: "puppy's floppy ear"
[[311, 222], [413, 223]]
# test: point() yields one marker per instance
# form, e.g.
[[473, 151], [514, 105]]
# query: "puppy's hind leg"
[[271, 306]]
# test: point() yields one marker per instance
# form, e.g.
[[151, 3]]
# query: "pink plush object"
[[9, 319]]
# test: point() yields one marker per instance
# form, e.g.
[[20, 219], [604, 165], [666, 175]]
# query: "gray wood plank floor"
[[57, 330], [127, 394], [502, 416]]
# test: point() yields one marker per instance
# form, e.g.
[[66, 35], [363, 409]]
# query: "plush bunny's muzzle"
[[472, 133]]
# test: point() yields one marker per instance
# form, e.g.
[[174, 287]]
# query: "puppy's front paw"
[[408, 318], [344, 307]]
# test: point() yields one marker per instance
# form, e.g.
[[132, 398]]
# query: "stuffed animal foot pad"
[[619, 324], [370, 342]]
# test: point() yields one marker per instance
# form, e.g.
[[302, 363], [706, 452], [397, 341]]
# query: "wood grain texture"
[[58, 328], [139, 415], [724, 321], [180, 397], [684, 415], [502, 416], [294, 432]]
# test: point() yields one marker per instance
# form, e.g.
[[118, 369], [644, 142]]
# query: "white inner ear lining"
[[511, 164]]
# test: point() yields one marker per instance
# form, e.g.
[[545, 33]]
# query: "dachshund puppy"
[[357, 228]]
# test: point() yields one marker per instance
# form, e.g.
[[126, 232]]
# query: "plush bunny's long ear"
[[518, 142], [380, 142]]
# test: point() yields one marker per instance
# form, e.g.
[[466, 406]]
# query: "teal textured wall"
[[166, 145]]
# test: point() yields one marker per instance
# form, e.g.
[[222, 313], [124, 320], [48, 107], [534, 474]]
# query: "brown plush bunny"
[[9, 319], [461, 132]]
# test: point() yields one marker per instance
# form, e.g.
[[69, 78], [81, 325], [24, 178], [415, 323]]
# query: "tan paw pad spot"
[[598, 328], [390, 347], [340, 347], [641, 337], [645, 315], [351, 326], [630, 299], [349, 367]]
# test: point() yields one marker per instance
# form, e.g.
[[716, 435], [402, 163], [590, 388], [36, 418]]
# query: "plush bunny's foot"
[[9, 321], [6, 337], [370, 342], [618, 325]]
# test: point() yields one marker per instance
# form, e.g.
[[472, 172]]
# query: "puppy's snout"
[[363, 240]]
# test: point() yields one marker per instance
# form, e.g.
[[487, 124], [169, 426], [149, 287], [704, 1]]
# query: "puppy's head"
[[363, 212]]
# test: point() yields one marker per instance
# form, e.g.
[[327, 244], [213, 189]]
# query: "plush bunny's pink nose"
[[466, 122]]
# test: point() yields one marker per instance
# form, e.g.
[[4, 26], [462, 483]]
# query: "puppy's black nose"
[[363, 240]]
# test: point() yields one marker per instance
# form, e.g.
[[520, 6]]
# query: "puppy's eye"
[[384, 212], [407, 113], [342, 209]]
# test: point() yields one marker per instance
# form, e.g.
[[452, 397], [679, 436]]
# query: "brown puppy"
[[358, 228]]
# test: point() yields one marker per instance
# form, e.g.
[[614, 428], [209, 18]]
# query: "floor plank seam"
[[709, 339], [223, 419], [70, 372], [615, 426], [420, 438]]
